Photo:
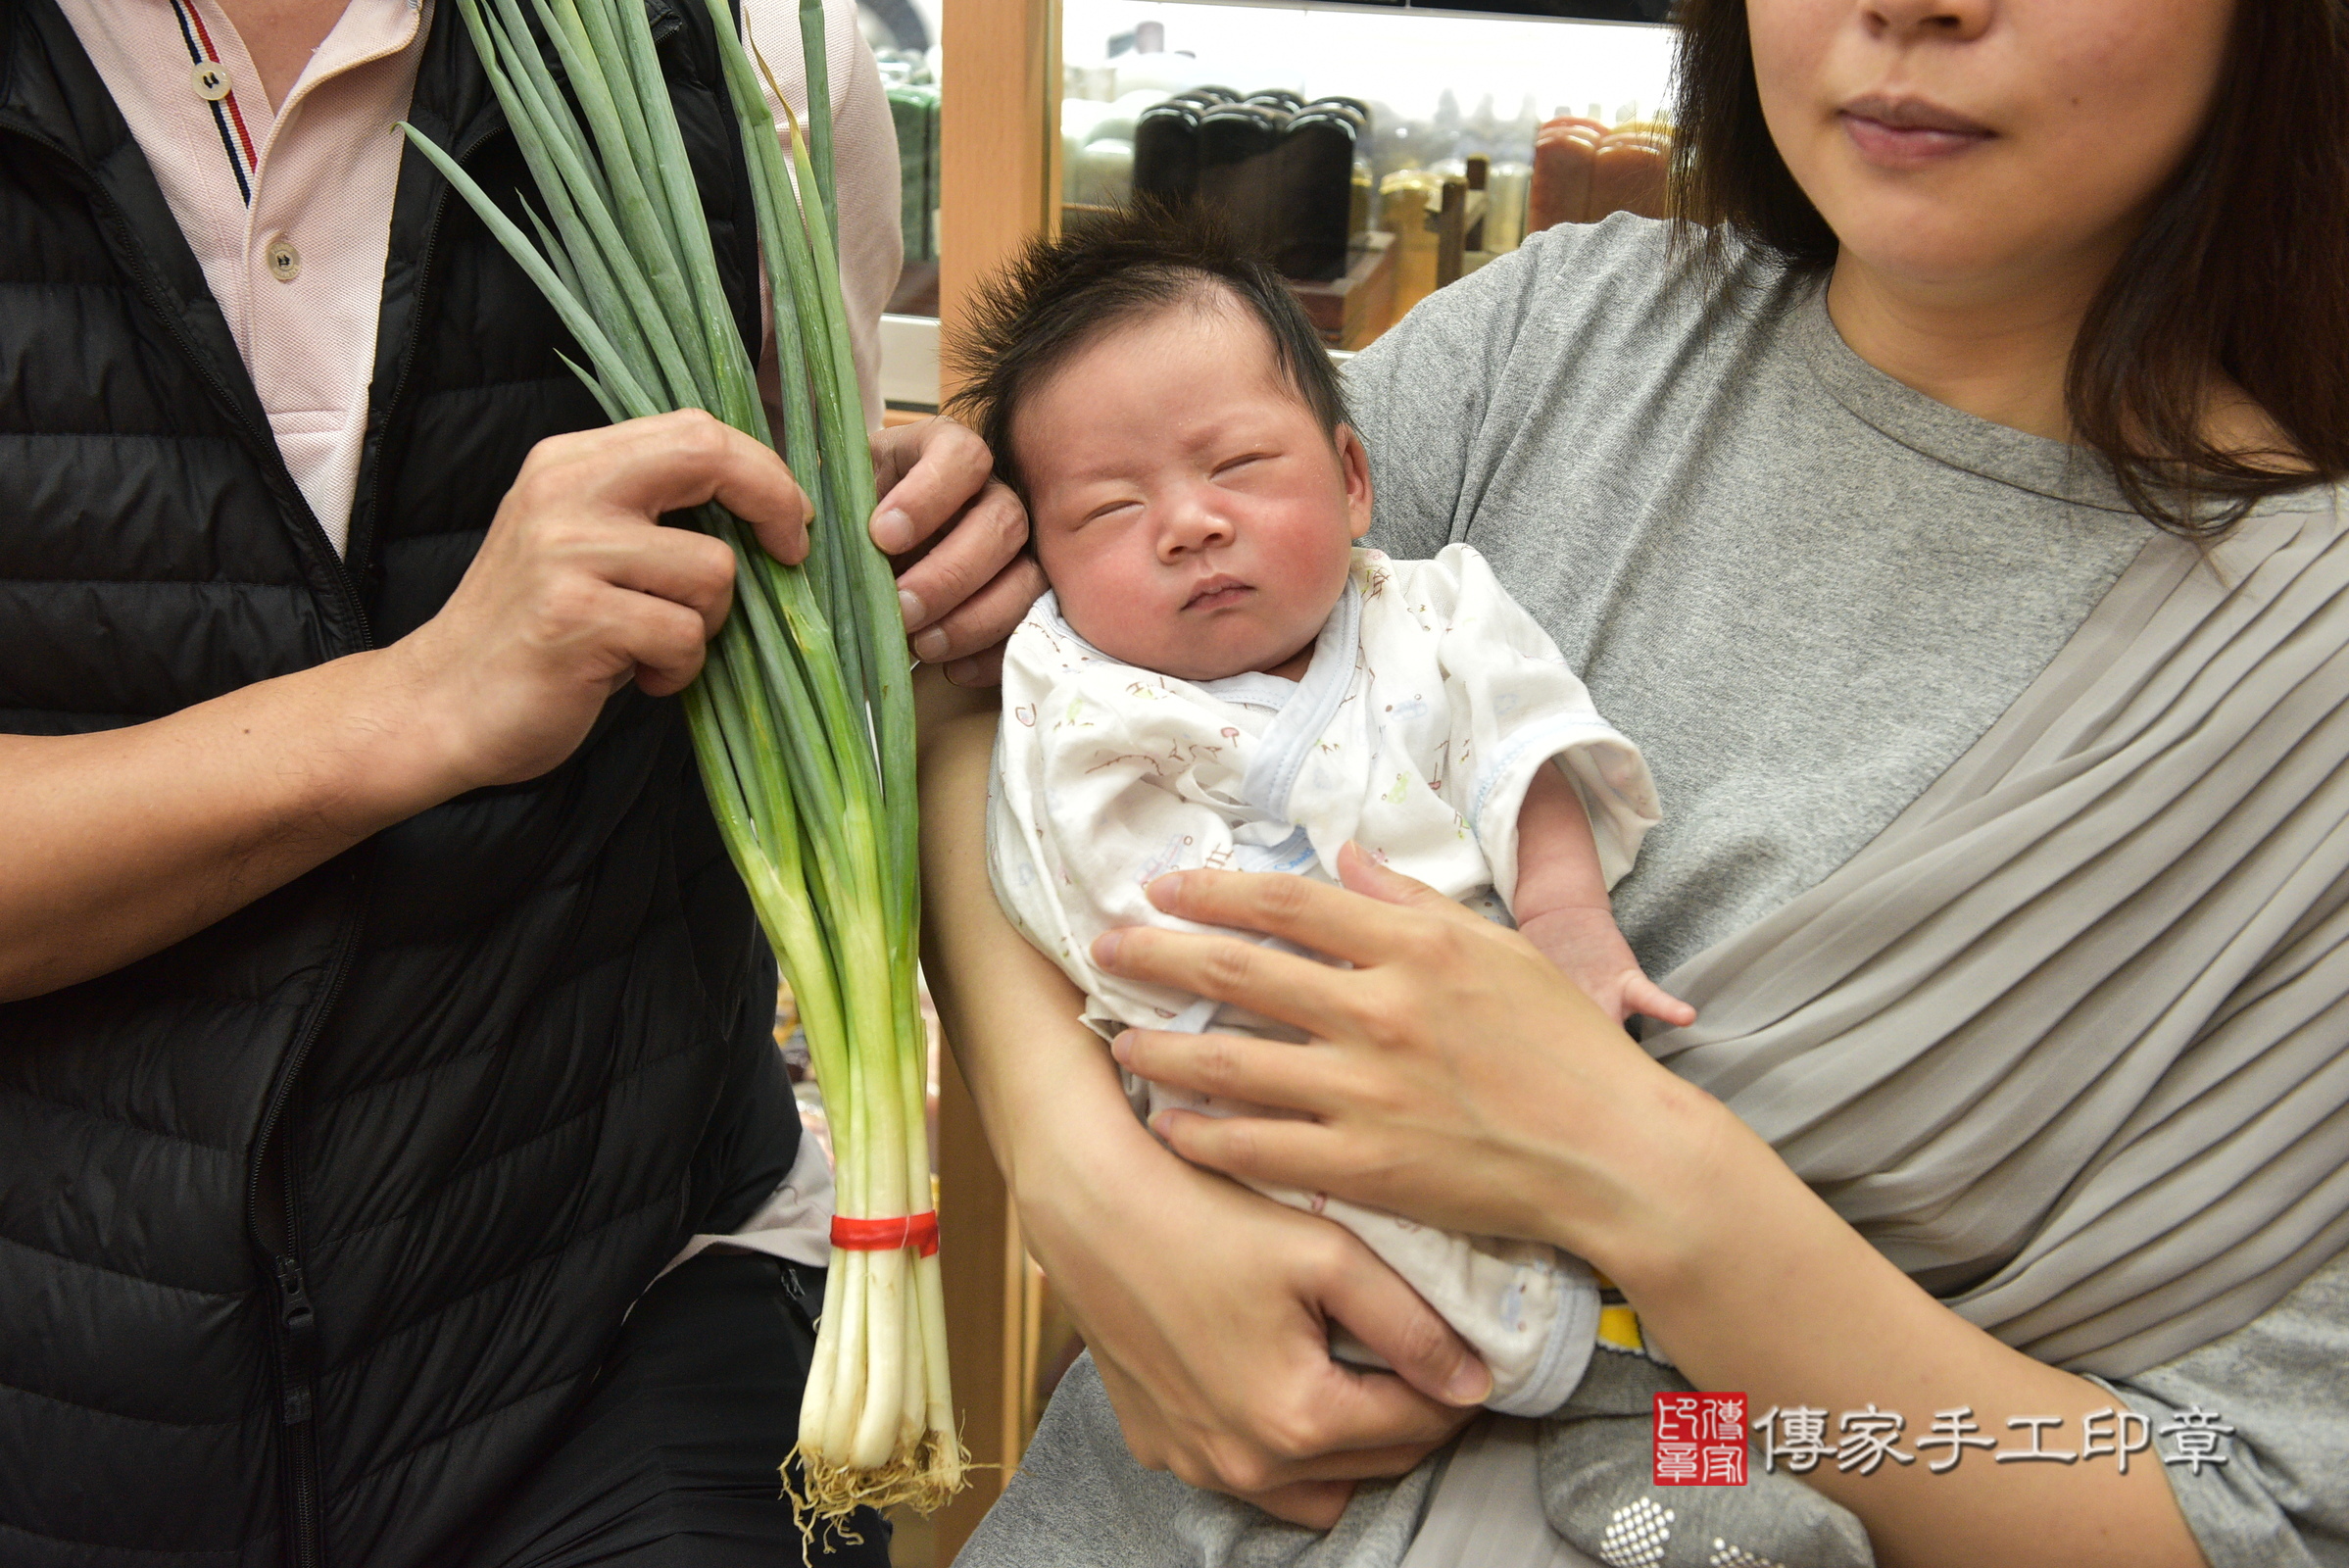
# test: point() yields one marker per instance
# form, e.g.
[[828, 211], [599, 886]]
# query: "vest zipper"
[[274, 1217], [298, 1359]]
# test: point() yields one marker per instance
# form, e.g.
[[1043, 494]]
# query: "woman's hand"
[[1208, 1310], [1454, 1075], [1456, 1078], [955, 533]]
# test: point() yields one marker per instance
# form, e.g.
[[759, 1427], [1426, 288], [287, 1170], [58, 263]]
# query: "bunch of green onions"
[[802, 717]]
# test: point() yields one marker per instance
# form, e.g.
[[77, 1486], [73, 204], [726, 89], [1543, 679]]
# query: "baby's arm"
[[1562, 906]]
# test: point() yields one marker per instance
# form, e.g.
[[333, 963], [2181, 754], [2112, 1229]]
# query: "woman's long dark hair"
[[2243, 267]]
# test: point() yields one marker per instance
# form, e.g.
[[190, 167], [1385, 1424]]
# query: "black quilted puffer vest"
[[314, 1227]]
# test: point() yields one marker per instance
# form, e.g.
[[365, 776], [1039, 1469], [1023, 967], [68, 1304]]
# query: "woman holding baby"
[[1952, 524]]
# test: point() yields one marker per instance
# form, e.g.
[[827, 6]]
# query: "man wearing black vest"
[[378, 1011]]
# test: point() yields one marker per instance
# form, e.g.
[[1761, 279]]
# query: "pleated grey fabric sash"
[[2070, 1040]]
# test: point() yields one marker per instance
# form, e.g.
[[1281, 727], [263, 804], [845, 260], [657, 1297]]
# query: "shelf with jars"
[[1374, 153], [1451, 134]]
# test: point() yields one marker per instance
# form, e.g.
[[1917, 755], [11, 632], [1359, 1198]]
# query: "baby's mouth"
[[1217, 592]]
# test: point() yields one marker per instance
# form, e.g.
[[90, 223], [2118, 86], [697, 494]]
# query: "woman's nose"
[[1904, 20]]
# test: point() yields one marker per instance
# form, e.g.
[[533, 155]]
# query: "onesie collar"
[[1302, 711]]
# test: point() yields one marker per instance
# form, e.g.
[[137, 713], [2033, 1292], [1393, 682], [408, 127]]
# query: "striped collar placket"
[[214, 83]]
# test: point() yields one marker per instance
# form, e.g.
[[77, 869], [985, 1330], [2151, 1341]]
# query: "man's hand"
[[955, 533], [579, 589], [128, 840]]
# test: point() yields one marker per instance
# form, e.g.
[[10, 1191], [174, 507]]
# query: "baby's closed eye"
[[1109, 508]]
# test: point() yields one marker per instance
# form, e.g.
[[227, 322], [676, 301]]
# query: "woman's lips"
[[1907, 132], [1216, 592]]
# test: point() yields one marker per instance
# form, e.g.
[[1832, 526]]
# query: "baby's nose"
[[1191, 528]]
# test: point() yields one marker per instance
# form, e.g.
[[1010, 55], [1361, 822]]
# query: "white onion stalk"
[[803, 717]]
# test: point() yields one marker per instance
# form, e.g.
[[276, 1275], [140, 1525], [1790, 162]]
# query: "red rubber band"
[[919, 1231]]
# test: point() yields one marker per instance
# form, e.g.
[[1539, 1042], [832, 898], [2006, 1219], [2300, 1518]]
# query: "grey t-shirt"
[[1804, 590]]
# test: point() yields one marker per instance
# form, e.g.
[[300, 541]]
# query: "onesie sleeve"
[[1087, 807], [1514, 707]]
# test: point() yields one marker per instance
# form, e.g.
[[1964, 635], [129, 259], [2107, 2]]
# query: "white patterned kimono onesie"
[[1430, 701]]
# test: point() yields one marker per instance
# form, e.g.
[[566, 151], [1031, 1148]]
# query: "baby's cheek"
[[1112, 607]]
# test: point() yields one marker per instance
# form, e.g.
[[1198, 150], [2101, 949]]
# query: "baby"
[[1222, 677]]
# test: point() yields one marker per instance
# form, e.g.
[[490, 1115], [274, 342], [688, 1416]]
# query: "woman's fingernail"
[[930, 646], [1123, 1046], [1471, 1384], [909, 606], [893, 531], [1166, 888], [1105, 946]]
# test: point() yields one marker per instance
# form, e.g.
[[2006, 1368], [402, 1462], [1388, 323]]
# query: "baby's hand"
[[1588, 949]]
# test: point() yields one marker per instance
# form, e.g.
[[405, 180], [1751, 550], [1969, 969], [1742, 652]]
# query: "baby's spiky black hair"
[[1058, 295]]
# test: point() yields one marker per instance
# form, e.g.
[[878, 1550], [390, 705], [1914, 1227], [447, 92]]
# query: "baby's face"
[[1191, 512]]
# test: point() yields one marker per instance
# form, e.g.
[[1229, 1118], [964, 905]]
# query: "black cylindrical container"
[[1236, 147], [1280, 98], [1166, 153], [1312, 194], [1209, 97], [1352, 106], [1365, 182]]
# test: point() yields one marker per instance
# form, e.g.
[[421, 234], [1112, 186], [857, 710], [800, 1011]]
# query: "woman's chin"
[[1955, 249]]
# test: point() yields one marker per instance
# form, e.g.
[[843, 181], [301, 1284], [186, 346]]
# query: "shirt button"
[[212, 81], [285, 263]]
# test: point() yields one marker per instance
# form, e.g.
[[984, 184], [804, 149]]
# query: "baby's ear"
[[1353, 468]]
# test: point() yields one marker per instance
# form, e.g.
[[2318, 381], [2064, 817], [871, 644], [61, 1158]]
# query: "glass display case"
[[1411, 141], [1374, 151]]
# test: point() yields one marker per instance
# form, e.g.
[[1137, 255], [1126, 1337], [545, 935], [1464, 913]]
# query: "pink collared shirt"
[[288, 207]]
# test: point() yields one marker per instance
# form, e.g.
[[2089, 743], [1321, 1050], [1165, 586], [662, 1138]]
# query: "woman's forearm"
[[1762, 1287], [123, 842], [1012, 1015]]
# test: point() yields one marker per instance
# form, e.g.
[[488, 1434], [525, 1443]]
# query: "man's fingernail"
[[929, 646], [1471, 1384], [1166, 888], [909, 606], [893, 531], [1105, 946], [1123, 1046]]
